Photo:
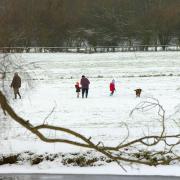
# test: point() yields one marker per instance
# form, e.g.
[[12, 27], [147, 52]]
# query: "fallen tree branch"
[[116, 153]]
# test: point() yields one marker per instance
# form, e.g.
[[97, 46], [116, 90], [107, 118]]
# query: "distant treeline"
[[77, 23]]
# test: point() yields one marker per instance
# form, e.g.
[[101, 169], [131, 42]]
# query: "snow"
[[53, 168], [99, 116]]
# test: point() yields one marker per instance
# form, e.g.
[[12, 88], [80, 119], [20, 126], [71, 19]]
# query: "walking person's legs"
[[112, 92], [83, 91], [15, 93], [86, 93], [19, 94], [77, 94]]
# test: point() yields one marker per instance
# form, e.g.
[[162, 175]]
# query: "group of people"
[[85, 87], [82, 86]]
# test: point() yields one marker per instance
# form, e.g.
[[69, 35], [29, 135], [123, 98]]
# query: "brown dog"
[[138, 92]]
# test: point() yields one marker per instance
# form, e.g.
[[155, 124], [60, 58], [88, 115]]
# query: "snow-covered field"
[[100, 116]]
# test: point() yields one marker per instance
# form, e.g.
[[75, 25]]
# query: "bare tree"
[[10, 63]]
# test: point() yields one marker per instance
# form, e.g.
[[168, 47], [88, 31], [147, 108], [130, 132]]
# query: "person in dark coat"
[[84, 86], [16, 84], [78, 89]]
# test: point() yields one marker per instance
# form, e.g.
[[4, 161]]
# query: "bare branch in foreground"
[[129, 152]]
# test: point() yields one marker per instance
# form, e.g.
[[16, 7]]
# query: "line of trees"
[[89, 22]]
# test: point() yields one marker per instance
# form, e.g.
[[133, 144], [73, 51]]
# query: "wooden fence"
[[97, 49]]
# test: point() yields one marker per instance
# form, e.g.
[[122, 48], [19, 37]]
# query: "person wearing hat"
[[84, 86], [16, 84]]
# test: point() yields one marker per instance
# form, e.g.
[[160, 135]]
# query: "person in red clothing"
[[112, 87], [78, 89]]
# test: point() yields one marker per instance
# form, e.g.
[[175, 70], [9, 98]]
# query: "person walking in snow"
[[112, 87], [78, 89], [16, 84], [84, 86]]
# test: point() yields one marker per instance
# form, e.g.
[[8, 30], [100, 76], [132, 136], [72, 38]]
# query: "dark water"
[[82, 177]]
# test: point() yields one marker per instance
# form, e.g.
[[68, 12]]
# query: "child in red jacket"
[[112, 87], [78, 89]]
